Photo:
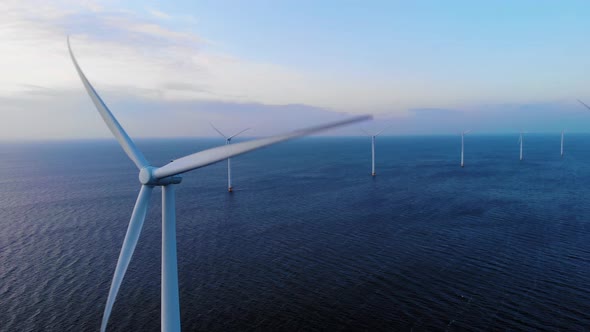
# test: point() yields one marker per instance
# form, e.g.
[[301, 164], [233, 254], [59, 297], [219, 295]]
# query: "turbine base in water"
[[373, 174], [230, 189]]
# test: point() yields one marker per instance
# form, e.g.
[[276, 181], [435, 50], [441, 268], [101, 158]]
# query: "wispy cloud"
[[119, 48], [494, 118], [159, 14], [61, 114], [139, 61], [143, 70]]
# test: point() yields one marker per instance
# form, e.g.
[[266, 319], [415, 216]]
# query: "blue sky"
[[430, 38], [441, 65]]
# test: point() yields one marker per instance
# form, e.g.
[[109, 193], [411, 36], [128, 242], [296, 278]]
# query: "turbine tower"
[[520, 141], [465, 132], [227, 142], [562, 133], [583, 104], [167, 177], [373, 148]]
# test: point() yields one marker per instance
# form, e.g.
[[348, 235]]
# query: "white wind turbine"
[[584, 104], [227, 142], [465, 132], [373, 148], [166, 177], [520, 141], [562, 134]]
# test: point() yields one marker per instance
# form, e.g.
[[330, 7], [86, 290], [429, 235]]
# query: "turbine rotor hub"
[[146, 177]]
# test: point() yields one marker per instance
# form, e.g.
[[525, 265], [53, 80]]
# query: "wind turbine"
[[583, 104], [227, 142], [167, 177], [465, 132], [562, 132], [520, 141], [373, 148]]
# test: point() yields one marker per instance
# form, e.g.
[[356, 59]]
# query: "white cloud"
[[121, 50], [144, 71], [137, 57], [159, 14]]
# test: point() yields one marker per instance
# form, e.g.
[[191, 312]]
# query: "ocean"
[[308, 241]]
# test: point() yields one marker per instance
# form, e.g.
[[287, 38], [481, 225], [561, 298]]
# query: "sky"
[[169, 68]]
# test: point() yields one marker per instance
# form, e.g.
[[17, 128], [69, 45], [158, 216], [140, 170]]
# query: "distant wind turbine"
[[562, 132], [373, 148], [520, 141], [167, 177], [585, 105], [465, 132], [227, 142]]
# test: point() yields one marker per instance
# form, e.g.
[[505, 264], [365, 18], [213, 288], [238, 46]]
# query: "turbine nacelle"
[[147, 177]]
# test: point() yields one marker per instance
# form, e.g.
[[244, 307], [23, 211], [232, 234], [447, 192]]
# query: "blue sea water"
[[309, 240]]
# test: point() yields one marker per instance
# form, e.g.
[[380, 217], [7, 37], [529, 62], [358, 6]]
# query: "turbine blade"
[[133, 231], [467, 132], [234, 135], [366, 132], [217, 130], [214, 155], [382, 130], [581, 102], [124, 140]]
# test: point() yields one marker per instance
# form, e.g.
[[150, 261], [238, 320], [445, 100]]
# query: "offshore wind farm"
[[250, 119], [420, 246]]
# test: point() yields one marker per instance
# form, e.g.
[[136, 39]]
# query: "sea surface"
[[308, 241]]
